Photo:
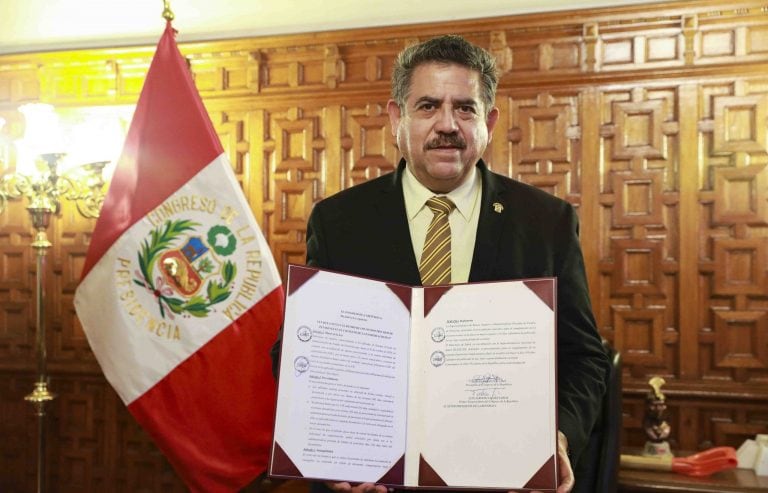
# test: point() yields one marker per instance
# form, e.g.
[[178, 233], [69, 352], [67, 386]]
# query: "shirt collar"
[[464, 196]]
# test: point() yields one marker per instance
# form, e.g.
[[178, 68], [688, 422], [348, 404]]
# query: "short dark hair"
[[449, 48]]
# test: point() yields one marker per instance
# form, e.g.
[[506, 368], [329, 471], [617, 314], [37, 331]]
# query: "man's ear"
[[490, 121], [394, 116]]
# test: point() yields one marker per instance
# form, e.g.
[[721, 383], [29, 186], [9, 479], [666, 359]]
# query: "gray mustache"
[[450, 140]]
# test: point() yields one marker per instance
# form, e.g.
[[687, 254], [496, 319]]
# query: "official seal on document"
[[304, 333], [438, 334], [437, 358], [300, 364]]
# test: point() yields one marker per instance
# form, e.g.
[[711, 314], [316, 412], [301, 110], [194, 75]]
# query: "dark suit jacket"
[[364, 231]]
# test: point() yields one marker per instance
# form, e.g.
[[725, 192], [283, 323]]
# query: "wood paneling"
[[651, 120]]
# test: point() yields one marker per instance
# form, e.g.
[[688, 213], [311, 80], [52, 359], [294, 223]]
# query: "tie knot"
[[440, 205]]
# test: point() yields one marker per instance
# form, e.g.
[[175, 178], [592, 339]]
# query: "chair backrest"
[[610, 449], [597, 470]]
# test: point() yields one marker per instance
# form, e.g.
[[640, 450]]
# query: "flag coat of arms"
[[180, 298]]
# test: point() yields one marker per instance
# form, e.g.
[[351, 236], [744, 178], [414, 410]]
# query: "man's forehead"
[[438, 80]]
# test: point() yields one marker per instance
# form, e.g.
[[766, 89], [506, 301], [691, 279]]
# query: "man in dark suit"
[[442, 115]]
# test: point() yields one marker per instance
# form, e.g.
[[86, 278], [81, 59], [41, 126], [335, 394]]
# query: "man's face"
[[443, 130]]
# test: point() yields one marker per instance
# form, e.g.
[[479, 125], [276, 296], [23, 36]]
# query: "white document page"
[[342, 391], [483, 386]]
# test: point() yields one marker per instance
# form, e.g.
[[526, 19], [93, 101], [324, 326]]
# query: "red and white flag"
[[180, 297]]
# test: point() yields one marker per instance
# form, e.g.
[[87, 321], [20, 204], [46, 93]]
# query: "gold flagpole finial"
[[167, 13]]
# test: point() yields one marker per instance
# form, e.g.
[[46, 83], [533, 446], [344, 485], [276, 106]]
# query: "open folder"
[[440, 386]]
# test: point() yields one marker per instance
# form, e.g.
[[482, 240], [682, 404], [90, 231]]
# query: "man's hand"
[[345, 487], [566, 480]]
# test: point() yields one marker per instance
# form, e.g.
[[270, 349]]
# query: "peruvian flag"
[[180, 298]]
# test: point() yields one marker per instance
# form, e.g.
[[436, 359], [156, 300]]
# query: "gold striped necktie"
[[435, 265]]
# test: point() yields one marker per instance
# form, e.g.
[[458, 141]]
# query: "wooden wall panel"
[[638, 224], [733, 251], [296, 143], [18, 457], [368, 149], [17, 281], [543, 133], [651, 120], [18, 85]]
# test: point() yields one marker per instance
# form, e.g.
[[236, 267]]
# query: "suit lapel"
[[494, 208], [398, 253]]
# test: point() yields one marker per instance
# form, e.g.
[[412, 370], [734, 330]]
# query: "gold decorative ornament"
[[40, 181], [656, 383], [167, 13], [655, 423]]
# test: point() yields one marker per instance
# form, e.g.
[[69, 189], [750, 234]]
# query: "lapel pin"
[[497, 207]]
